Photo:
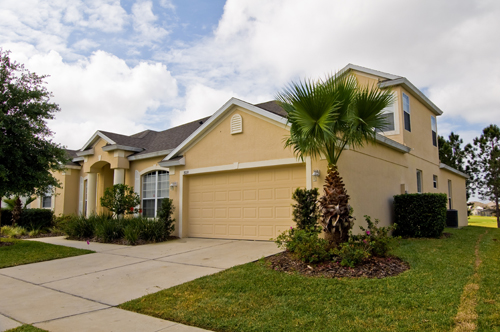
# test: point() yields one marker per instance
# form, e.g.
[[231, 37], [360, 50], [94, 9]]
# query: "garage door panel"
[[243, 204]]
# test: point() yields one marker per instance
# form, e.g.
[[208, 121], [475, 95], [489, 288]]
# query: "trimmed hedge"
[[420, 215], [30, 218]]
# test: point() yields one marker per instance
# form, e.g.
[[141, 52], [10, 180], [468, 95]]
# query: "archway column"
[[118, 176], [91, 193]]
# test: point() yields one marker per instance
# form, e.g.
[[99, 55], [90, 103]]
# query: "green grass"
[[25, 252], [26, 328], [483, 221], [251, 297]]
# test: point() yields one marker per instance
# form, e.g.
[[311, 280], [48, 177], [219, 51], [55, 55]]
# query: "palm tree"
[[325, 117]]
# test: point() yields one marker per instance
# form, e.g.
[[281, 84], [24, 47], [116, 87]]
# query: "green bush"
[[305, 244], [420, 215], [306, 212], [13, 232], [377, 237], [109, 229], [153, 230], [30, 218], [80, 227], [120, 199], [353, 253], [165, 215]]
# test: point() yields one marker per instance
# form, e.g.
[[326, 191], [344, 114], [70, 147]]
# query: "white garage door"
[[243, 204]]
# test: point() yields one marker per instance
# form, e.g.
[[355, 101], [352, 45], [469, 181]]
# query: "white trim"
[[221, 111], [368, 71], [150, 155], [72, 167], [392, 144], [451, 169], [413, 91], [173, 162], [78, 159], [93, 139], [394, 109], [153, 168], [114, 147], [308, 173], [80, 196], [88, 152], [181, 201], [137, 183]]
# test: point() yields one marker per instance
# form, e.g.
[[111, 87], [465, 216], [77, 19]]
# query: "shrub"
[[420, 215], [108, 229], [378, 237], [165, 215], [36, 218], [153, 230], [120, 199], [353, 253], [30, 218], [13, 231], [80, 227], [305, 244], [306, 211]]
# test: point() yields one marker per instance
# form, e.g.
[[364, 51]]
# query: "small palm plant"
[[325, 117]]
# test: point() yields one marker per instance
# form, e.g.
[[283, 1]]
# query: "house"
[[230, 177], [483, 209]]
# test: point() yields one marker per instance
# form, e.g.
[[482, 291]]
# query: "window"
[[449, 194], [434, 130], [154, 190], [47, 199], [390, 116], [435, 181], [419, 181], [406, 109]]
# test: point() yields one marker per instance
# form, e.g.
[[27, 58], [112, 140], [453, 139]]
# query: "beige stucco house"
[[230, 177]]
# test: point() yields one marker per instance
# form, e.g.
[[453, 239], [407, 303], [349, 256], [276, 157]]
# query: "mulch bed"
[[375, 267], [122, 241]]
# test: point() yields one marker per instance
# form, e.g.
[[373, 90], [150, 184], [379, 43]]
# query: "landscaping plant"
[[120, 199], [325, 116], [306, 212], [305, 244], [165, 215]]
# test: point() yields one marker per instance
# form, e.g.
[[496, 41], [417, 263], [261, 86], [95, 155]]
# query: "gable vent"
[[236, 124]]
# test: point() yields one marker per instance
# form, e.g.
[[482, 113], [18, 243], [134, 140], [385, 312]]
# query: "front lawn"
[[25, 252], [252, 297], [26, 328], [483, 221]]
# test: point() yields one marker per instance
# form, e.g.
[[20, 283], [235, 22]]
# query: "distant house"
[[484, 209], [230, 177]]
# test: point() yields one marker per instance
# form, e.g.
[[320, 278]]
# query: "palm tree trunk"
[[335, 208]]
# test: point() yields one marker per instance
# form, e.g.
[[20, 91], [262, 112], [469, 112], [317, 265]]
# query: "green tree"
[[28, 156], [452, 153], [325, 116], [120, 199], [485, 163]]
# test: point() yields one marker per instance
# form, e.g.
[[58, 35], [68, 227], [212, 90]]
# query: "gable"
[[260, 139]]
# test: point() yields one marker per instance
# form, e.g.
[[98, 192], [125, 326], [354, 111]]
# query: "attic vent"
[[236, 124]]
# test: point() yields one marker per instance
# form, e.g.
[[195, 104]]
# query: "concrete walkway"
[[81, 293]]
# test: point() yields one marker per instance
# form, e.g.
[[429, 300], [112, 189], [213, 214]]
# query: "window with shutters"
[[236, 124]]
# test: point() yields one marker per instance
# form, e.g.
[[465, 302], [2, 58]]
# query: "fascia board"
[[392, 144], [94, 138], [414, 91], [121, 147], [220, 112], [176, 162], [350, 66], [77, 159], [88, 152], [72, 167], [451, 169], [150, 155]]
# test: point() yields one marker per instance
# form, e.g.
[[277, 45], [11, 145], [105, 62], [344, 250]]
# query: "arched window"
[[154, 190]]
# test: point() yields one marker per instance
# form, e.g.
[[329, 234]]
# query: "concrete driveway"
[[80, 293]]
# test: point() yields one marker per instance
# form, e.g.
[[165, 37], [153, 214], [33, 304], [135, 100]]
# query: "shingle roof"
[[71, 154], [273, 107], [154, 141]]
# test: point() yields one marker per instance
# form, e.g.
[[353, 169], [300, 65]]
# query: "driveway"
[[81, 293]]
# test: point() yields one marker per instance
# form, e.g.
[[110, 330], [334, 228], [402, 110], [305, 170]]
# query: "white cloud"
[[101, 92], [85, 44], [144, 19], [447, 48]]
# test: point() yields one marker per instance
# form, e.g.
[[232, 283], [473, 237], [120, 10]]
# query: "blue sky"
[[131, 65]]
